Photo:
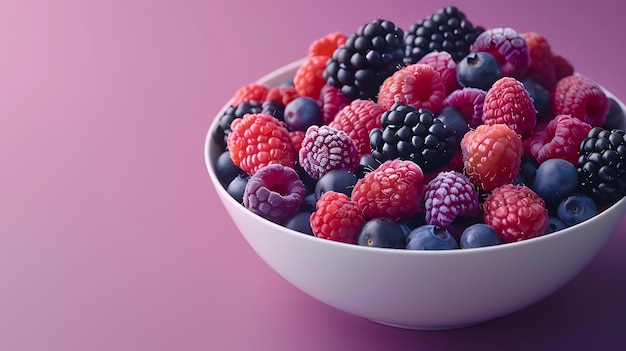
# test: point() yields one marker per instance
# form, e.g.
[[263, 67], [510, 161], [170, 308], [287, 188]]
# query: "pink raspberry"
[[541, 67], [274, 192], [508, 47], [251, 92], [282, 94], [324, 149], [332, 101], [508, 102], [582, 98], [469, 102], [337, 218], [445, 65], [448, 196], [562, 67], [417, 85], [357, 120], [561, 138]]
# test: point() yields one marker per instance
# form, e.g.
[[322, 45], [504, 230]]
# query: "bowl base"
[[426, 328]]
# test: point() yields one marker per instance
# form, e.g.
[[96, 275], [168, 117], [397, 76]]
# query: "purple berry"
[[469, 102], [615, 117], [576, 208], [449, 195], [479, 235], [300, 222], [337, 180], [325, 148], [508, 47], [478, 70], [225, 169], [308, 203], [302, 112], [555, 179], [382, 232], [431, 237], [527, 170], [237, 187], [453, 119], [554, 224], [540, 96], [274, 192]]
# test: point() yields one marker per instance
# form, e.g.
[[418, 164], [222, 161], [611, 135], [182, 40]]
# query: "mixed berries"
[[445, 136]]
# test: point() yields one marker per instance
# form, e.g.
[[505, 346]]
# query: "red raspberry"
[[448, 196], [561, 138], [516, 212], [250, 92], [508, 47], [296, 137], [582, 98], [326, 45], [392, 190], [337, 218], [562, 67], [324, 149], [332, 101], [469, 102], [308, 80], [257, 140], [417, 85], [357, 120], [274, 192], [508, 102], [282, 94], [445, 65], [541, 66], [491, 155]]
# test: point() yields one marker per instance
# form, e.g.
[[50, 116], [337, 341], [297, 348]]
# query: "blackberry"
[[448, 29], [368, 56], [220, 134], [413, 134], [274, 108], [602, 165]]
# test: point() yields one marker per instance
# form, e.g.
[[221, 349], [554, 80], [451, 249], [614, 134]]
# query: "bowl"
[[426, 290]]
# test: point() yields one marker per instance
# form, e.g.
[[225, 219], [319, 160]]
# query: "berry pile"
[[446, 136]]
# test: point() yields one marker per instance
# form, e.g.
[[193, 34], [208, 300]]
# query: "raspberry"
[[561, 138], [516, 212], [324, 149], [296, 137], [448, 196], [508, 47], [417, 85], [562, 67], [274, 192], [508, 102], [357, 120], [392, 190], [233, 112], [282, 94], [337, 218], [308, 80], [582, 98], [469, 102], [251, 91], [445, 65], [492, 155], [326, 45], [257, 140], [541, 67], [332, 101]]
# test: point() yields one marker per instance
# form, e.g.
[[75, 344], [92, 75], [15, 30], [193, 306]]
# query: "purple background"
[[111, 235]]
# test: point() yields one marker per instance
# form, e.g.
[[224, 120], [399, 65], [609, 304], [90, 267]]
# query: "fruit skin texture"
[[357, 120], [576, 208], [508, 47], [308, 80], [324, 149], [445, 65], [301, 113], [516, 212], [491, 155], [274, 192], [560, 138], [430, 237], [257, 140], [250, 92], [479, 235], [478, 70], [448, 196], [392, 190], [382, 232], [508, 102], [469, 102], [541, 65], [337, 218], [417, 85], [326, 45], [332, 101], [582, 98], [554, 180]]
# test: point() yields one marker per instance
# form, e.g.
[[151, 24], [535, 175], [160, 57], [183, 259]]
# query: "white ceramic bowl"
[[419, 289]]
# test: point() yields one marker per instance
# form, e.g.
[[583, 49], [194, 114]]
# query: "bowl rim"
[[276, 77]]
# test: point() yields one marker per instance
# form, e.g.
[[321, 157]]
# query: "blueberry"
[[338, 180], [382, 232], [615, 117], [554, 225], [478, 70], [528, 169], [479, 235], [555, 179], [431, 237], [237, 187], [408, 224], [309, 182], [576, 208], [540, 96], [300, 222], [453, 119], [225, 169], [308, 203], [367, 164], [302, 112]]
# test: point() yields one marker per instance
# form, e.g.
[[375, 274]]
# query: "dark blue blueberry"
[[554, 224], [274, 108], [309, 182], [225, 169], [367, 164], [576, 208], [528, 170], [478, 70], [382, 232], [431, 237], [338, 180], [540, 96], [479, 235], [615, 118], [555, 179], [237, 187], [410, 223], [308, 203], [302, 112], [300, 222], [453, 119]]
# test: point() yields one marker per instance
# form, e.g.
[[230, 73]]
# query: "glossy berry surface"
[[302, 112], [237, 187], [554, 180], [508, 47], [300, 222], [478, 70], [479, 235], [576, 208], [431, 237], [338, 180], [382, 232], [554, 224]]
